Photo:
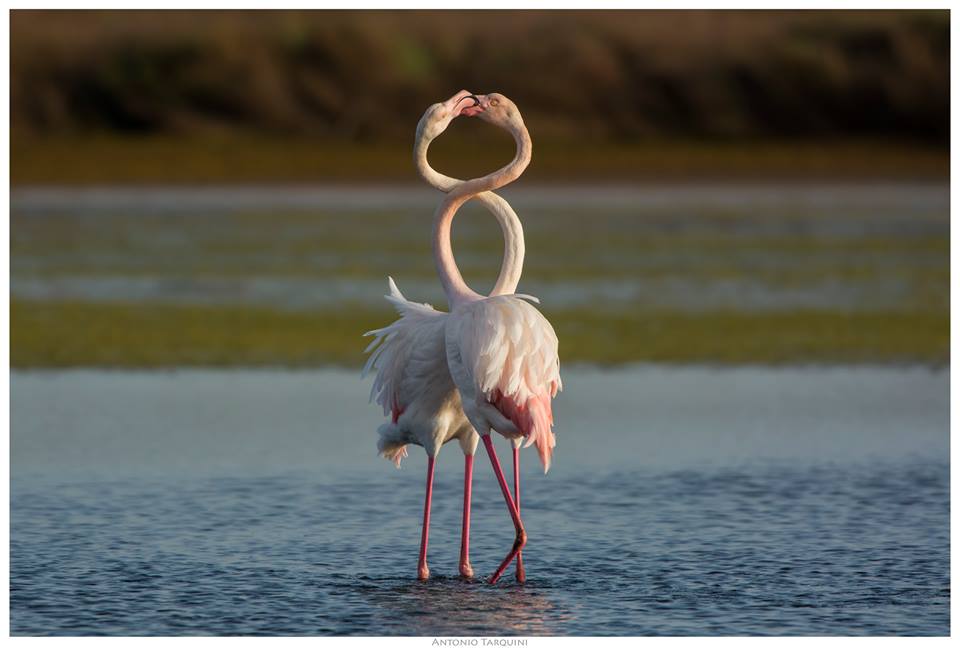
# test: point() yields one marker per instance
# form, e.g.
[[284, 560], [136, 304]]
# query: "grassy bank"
[[238, 158], [67, 334]]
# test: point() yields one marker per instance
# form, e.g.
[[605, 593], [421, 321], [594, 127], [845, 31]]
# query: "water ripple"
[[819, 550]]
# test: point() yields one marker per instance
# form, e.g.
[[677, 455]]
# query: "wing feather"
[[407, 354], [510, 351]]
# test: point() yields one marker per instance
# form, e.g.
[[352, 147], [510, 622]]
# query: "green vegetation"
[[58, 334], [136, 335], [795, 336]]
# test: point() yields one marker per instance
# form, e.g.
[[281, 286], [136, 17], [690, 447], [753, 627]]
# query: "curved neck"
[[459, 192], [433, 178], [511, 268], [455, 288]]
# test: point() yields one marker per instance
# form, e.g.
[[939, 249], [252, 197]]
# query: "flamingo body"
[[413, 383], [503, 357]]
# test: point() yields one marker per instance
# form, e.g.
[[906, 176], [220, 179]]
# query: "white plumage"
[[503, 356], [413, 383]]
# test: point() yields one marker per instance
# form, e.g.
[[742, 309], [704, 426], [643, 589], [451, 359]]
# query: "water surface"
[[683, 501]]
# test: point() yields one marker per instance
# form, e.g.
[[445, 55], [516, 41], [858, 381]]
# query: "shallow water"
[[683, 501]]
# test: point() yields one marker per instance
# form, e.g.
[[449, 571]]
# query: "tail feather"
[[392, 444], [404, 306], [534, 419]]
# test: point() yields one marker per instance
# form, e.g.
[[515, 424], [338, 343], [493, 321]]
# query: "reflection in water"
[[454, 606]]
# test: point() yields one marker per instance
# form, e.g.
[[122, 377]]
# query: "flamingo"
[[413, 382], [497, 350]]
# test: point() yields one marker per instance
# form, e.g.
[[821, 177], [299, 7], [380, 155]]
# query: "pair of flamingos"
[[490, 363]]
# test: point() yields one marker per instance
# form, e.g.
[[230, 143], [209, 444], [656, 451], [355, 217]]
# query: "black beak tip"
[[476, 100]]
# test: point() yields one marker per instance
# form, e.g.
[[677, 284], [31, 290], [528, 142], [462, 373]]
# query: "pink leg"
[[466, 570], [423, 572], [521, 538], [521, 574]]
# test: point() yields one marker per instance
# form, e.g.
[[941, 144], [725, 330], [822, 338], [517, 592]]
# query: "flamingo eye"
[[494, 102]]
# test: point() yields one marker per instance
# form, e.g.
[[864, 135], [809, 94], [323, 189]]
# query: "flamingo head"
[[438, 116], [497, 109]]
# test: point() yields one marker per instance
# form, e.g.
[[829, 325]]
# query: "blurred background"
[[336, 94], [760, 186], [737, 222], [234, 187]]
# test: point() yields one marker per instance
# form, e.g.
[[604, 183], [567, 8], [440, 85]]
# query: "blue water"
[[692, 502]]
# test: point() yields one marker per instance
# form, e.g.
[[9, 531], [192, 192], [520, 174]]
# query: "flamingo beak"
[[473, 109]]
